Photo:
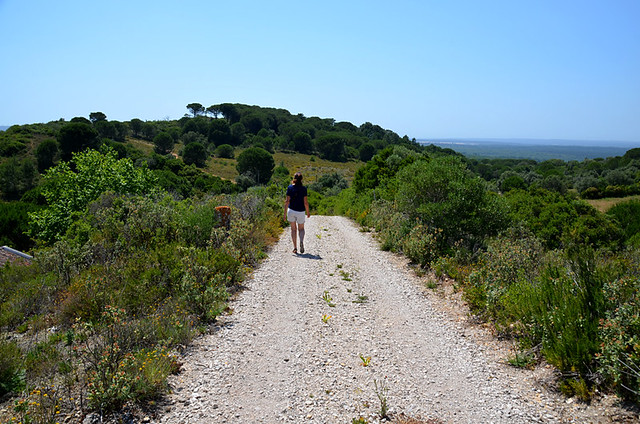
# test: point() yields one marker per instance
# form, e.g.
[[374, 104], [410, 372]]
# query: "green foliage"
[[442, 194], [11, 373], [163, 143], [509, 261], [224, 151], [75, 137], [195, 153], [132, 278], [560, 220], [332, 147], [14, 224], [17, 176], [421, 245], [46, 154], [620, 332], [256, 163], [329, 184], [68, 192], [9, 147], [556, 302], [627, 215], [302, 142]]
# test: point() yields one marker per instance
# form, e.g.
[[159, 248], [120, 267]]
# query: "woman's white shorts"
[[295, 216]]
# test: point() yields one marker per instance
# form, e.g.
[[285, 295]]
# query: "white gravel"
[[274, 360]]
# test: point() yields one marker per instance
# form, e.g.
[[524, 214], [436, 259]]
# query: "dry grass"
[[142, 145], [313, 169], [603, 205], [311, 166]]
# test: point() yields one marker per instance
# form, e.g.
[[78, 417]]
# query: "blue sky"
[[428, 69]]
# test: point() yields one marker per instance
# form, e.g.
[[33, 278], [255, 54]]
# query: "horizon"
[[427, 69]]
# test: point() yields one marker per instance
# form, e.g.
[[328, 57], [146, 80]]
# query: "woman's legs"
[[301, 234], [294, 232]]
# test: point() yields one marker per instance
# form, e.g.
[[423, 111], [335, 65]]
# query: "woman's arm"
[[286, 206], [306, 206]]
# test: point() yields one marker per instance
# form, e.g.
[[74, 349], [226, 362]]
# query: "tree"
[[163, 143], [136, 126], [196, 109], [193, 137], [106, 129], [80, 119], [46, 153], [195, 153], [230, 112], [214, 110], [149, 130], [331, 147], [366, 151], [219, 132], [237, 133], [16, 177], [69, 191], [302, 142], [444, 195], [256, 162], [199, 124], [75, 137], [97, 117], [224, 151], [253, 122]]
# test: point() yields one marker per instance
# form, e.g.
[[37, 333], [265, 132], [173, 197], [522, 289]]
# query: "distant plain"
[[540, 150]]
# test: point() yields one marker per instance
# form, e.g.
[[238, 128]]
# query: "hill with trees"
[[132, 258]]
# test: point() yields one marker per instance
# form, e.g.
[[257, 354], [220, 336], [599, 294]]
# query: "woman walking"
[[294, 210]]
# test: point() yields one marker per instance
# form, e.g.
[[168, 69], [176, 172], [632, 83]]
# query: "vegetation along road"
[[346, 333]]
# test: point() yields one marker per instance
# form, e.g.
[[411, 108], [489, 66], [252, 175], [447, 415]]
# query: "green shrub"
[[509, 260], [196, 223], [620, 333], [68, 191], [421, 244], [562, 311], [224, 151], [443, 194], [392, 226], [627, 215], [12, 377], [25, 292]]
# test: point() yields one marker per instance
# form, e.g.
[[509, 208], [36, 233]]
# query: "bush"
[[163, 143], [256, 163], [443, 194], [421, 245], [627, 214], [69, 191], [11, 372], [224, 151], [195, 153], [508, 261], [620, 332]]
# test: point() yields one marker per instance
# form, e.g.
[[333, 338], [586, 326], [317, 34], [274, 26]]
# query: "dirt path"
[[274, 359]]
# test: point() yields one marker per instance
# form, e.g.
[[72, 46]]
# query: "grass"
[[294, 162], [142, 145], [603, 205], [221, 167], [312, 170]]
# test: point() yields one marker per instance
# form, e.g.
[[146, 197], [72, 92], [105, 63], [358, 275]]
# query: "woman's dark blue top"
[[297, 195]]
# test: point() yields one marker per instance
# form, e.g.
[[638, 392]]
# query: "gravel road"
[[275, 359]]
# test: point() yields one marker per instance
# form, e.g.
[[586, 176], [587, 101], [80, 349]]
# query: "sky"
[[543, 69]]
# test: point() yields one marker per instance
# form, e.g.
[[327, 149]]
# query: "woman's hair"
[[297, 179]]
